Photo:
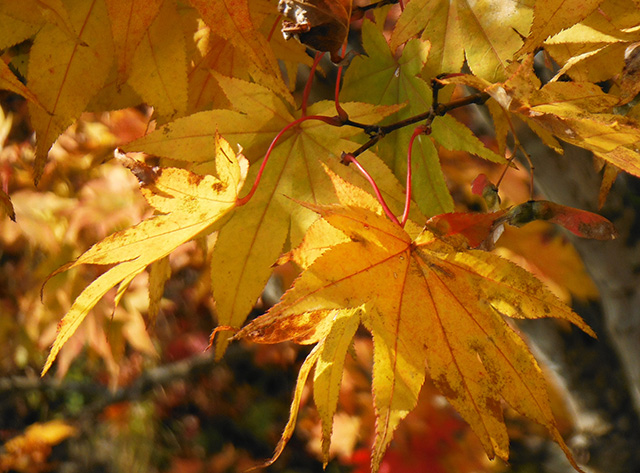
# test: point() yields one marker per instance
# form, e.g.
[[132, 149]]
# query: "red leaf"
[[579, 222], [475, 227]]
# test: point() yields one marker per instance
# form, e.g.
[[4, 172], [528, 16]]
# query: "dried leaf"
[[320, 24], [579, 222]]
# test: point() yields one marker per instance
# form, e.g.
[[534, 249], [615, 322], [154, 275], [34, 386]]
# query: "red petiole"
[[348, 158], [307, 87], [335, 121]]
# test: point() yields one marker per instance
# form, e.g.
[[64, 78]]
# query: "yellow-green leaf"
[[488, 32]]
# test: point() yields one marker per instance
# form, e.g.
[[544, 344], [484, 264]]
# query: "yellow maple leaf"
[[187, 205], [486, 32], [255, 235], [65, 85], [159, 65], [129, 23], [552, 16], [232, 21], [428, 302], [579, 113]]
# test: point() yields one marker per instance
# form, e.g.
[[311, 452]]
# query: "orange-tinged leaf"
[[251, 241], [427, 302], [189, 204], [231, 20], [130, 20], [6, 206], [253, 238], [65, 85], [476, 228], [608, 178], [159, 66]]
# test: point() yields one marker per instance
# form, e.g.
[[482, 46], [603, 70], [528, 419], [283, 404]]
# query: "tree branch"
[[102, 396]]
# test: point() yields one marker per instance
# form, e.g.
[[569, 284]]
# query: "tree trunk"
[[601, 377]]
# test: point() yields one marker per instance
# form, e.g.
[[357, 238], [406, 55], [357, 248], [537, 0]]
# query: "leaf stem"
[[273, 28], [307, 87], [334, 121], [349, 158], [419, 130], [341, 112]]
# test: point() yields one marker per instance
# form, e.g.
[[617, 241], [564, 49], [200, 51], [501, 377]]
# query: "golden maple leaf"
[[428, 302], [187, 205]]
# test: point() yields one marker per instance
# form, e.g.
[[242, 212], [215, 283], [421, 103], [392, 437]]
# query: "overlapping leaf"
[[550, 17], [187, 204], [577, 113], [251, 241], [380, 78], [232, 21], [159, 66], [65, 85], [594, 49], [488, 33], [427, 302], [130, 20]]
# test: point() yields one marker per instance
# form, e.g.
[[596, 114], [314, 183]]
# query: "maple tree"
[[349, 187]]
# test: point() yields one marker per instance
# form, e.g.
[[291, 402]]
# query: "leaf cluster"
[[220, 85]]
